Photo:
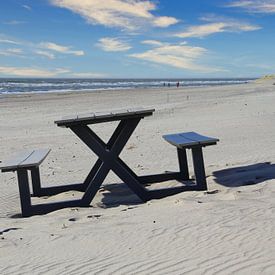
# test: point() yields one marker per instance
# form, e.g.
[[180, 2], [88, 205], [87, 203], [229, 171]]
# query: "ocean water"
[[15, 86]]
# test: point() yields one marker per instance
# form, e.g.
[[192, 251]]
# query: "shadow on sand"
[[117, 194], [245, 175], [120, 194]]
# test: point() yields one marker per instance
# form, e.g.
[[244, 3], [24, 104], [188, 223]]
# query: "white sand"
[[227, 231]]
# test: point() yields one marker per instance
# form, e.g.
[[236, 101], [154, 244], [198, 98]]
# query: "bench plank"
[[178, 139], [189, 139], [13, 163], [25, 159], [35, 158], [200, 138]]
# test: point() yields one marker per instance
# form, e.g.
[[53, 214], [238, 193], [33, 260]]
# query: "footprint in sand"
[[212, 192], [9, 229], [94, 216], [129, 208], [72, 219]]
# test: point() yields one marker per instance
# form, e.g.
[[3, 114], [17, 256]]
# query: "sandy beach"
[[227, 230]]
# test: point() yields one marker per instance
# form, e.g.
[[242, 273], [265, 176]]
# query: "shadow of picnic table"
[[245, 175]]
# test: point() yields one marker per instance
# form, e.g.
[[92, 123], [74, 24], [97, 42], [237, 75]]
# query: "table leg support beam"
[[148, 179], [54, 190], [162, 193], [40, 209]]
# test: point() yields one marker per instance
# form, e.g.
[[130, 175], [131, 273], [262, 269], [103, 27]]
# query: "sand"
[[227, 230]]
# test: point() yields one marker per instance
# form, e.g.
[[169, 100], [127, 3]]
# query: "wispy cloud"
[[123, 14], [9, 41], [164, 21], [11, 52], [14, 22], [30, 72], [89, 75], [39, 72], [110, 44], [46, 49], [180, 56], [255, 6], [152, 42], [45, 54], [60, 48], [27, 7], [216, 26]]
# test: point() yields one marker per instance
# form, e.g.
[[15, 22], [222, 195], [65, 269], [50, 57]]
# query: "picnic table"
[[108, 159], [108, 154]]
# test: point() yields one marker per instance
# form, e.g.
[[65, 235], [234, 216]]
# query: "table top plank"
[[98, 117]]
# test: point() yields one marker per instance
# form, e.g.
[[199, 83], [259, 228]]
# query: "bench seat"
[[195, 142], [189, 140], [26, 159], [22, 163], [29, 161]]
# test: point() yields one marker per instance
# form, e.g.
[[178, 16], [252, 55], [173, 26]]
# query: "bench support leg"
[[24, 191], [36, 183], [25, 197], [183, 165], [199, 168]]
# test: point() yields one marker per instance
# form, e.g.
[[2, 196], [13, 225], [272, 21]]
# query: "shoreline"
[[126, 90], [87, 90]]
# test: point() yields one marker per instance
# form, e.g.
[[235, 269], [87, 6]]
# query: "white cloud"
[[27, 7], [8, 41], [216, 27], [30, 72], [60, 48], [39, 72], [123, 14], [152, 42], [179, 56], [256, 6], [15, 51], [14, 22], [46, 54], [89, 75], [109, 44], [46, 49], [62, 71], [11, 51], [164, 21]]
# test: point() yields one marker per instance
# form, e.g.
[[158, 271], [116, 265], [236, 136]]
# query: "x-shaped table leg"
[[109, 159], [98, 163]]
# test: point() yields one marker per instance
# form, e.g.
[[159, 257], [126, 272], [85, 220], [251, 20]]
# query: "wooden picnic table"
[[108, 154], [108, 159]]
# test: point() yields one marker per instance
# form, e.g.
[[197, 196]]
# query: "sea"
[[28, 85]]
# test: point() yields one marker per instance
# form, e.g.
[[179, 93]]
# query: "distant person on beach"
[[164, 84], [168, 84], [178, 84]]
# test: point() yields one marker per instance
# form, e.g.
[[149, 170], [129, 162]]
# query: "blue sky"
[[136, 39]]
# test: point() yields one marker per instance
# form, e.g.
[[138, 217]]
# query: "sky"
[[137, 38]]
